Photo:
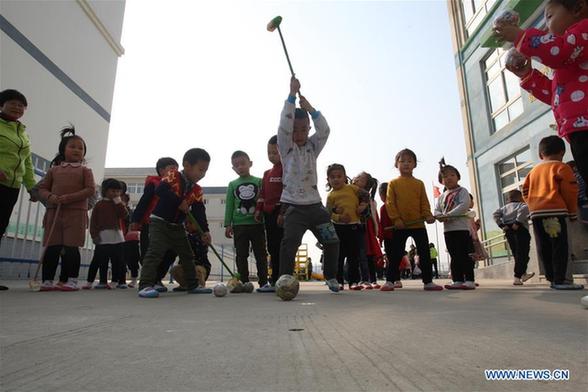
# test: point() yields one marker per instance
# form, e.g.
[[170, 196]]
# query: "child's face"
[[360, 181], [383, 197], [405, 164], [558, 18], [336, 179], [471, 202], [74, 150], [273, 154], [197, 171], [300, 131], [14, 109], [165, 171], [112, 193], [449, 179], [241, 165]]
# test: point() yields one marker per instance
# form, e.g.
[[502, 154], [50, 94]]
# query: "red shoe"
[[376, 286], [48, 288], [366, 286], [432, 287], [455, 286], [355, 287], [69, 287], [388, 286]]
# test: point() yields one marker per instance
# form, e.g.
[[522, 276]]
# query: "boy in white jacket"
[[301, 202]]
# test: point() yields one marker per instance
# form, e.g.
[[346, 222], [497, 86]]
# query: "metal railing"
[[493, 246]]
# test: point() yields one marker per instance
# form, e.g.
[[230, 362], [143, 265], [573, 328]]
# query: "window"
[[504, 91], [513, 170], [223, 201], [474, 11]]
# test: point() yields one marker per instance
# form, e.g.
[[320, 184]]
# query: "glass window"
[[513, 170], [474, 11], [504, 91]]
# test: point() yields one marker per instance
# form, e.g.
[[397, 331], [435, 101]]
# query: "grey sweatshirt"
[[458, 206], [513, 212]]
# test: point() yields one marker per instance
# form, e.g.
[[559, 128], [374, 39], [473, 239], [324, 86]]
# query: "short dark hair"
[[12, 95], [110, 183], [331, 168], [551, 145], [273, 140], [164, 162], [408, 152], [195, 155], [514, 194], [239, 154], [383, 188], [123, 186], [300, 114], [444, 168], [570, 5]]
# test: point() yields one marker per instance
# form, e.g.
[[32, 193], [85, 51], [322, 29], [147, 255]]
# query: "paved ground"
[[355, 341]]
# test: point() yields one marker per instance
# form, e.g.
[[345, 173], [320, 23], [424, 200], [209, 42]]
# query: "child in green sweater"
[[240, 223]]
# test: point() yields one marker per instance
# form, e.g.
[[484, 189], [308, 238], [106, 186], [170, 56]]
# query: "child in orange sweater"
[[550, 190]]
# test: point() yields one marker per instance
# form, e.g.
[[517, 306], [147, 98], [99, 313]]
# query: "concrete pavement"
[[355, 341]]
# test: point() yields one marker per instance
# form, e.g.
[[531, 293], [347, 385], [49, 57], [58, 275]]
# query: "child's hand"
[[191, 227], [257, 216], [184, 207], [304, 104], [32, 197], [96, 240], [206, 238], [294, 86], [441, 218], [515, 226], [399, 224], [361, 208], [338, 210], [522, 70], [507, 31], [280, 220], [3, 176], [53, 199], [229, 231], [345, 218], [117, 200], [430, 219], [135, 227]]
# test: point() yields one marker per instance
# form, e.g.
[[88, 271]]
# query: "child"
[[346, 203], [142, 216], [433, 254], [385, 224], [565, 50], [131, 246], [551, 192], [301, 201], [369, 250], [408, 208], [240, 222], [16, 165], [67, 186], [176, 193], [199, 248], [268, 206], [106, 232], [513, 219], [451, 207]]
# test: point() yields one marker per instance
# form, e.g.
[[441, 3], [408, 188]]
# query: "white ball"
[[287, 287], [584, 301], [219, 290]]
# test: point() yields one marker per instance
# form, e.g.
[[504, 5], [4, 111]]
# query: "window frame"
[[516, 169]]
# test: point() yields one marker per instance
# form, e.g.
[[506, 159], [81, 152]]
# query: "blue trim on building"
[[27, 261], [38, 55]]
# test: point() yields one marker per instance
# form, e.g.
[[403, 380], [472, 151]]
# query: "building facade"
[[62, 55], [503, 124]]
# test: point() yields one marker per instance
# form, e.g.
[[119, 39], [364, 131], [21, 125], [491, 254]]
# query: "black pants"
[[8, 198], [435, 268], [132, 257], [70, 261], [459, 247], [103, 254], [254, 235], [364, 270], [349, 246], [551, 237], [579, 147], [274, 235], [396, 248], [519, 242], [144, 240], [371, 263]]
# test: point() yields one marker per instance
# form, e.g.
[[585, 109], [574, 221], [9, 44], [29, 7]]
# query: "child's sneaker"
[[388, 286], [199, 290], [526, 277], [376, 286], [122, 286], [48, 286], [432, 287], [517, 282], [148, 292], [398, 284], [179, 289], [102, 286], [70, 285], [366, 286], [333, 285], [341, 287], [133, 283], [160, 287], [455, 286], [266, 288], [469, 285], [87, 286], [355, 287]]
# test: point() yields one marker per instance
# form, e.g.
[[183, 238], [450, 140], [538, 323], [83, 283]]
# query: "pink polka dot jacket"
[[567, 55]]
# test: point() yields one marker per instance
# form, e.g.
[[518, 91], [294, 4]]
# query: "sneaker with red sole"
[[48, 286], [355, 287], [398, 285], [376, 286], [388, 286], [432, 287], [455, 286], [366, 286]]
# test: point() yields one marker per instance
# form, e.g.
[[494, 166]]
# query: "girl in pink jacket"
[[564, 49]]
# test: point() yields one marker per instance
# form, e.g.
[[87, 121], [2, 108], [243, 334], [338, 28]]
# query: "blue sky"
[[208, 74]]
